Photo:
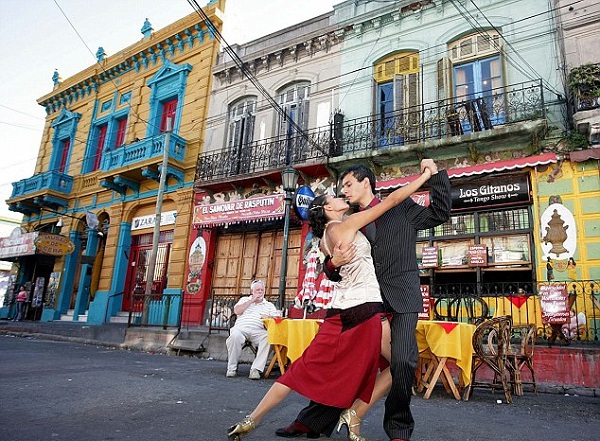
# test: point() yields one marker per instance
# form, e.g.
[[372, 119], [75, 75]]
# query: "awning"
[[488, 167], [584, 155], [18, 244]]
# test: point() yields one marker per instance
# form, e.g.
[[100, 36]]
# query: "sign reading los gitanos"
[[505, 190], [54, 244]]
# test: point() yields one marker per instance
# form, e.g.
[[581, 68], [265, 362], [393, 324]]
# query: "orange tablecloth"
[[289, 338], [448, 341]]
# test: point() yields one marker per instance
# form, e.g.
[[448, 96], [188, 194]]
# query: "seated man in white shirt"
[[249, 326]]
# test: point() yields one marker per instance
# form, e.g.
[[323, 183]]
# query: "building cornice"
[[184, 35]]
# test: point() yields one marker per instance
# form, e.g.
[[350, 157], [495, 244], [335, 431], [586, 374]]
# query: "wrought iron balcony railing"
[[446, 118], [268, 154], [140, 151], [430, 121], [47, 181]]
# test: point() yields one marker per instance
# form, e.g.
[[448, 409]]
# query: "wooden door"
[[243, 257]]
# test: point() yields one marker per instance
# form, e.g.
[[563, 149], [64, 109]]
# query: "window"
[[517, 219], [120, 135], [169, 110], [398, 115], [65, 129], [100, 138], [241, 134], [478, 82], [507, 249], [294, 100], [65, 145]]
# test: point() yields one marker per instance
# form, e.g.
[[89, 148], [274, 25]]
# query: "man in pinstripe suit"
[[393, 240]]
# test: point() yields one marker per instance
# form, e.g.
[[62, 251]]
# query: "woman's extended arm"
[[346, 230]]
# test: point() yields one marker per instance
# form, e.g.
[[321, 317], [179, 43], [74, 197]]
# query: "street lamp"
[[289, 179]]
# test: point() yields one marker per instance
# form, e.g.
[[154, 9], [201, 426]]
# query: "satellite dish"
[[91, 220]]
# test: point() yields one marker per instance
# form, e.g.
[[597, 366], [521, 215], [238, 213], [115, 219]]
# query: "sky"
[[39, 36]]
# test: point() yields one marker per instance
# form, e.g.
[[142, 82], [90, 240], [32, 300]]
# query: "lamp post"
[[289, 180]]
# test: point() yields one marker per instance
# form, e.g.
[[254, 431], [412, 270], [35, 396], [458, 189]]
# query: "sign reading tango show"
[[493, 192]]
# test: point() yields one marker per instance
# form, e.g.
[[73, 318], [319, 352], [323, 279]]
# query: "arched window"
[[397, 106], [294, 100], [240, 133], [477, 80]]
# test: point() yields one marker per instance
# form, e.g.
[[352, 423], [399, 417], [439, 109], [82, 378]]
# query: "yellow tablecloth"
[[294, 334], [448, 339]]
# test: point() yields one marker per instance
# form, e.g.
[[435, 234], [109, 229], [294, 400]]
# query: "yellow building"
[[97, 179]]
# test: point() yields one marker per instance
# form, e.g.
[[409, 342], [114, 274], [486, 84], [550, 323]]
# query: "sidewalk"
[[560, 369]]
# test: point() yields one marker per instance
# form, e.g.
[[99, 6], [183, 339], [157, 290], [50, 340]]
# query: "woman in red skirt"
[[340, 367]]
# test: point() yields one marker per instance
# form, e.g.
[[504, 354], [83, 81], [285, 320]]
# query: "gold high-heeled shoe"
[[239, 430], [346, 418]]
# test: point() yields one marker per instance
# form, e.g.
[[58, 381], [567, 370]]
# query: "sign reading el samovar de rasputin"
[[491, 192]]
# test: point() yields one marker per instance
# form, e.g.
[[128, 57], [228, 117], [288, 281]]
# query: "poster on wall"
[[38, 292], [52, 291], [559, 232], [196, 260]]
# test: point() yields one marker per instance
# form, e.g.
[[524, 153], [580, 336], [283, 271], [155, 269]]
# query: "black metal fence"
[[470, 302]]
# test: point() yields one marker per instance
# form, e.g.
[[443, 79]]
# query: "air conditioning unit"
[[591, 130]]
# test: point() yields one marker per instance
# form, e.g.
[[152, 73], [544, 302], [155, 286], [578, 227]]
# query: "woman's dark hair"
[[316, 215]]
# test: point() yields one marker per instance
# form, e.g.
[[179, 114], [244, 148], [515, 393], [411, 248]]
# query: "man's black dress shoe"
[[296, 429]]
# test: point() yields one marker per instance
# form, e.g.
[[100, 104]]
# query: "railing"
[[149, 148], [50, 180], [109, 304], [268, 154], [154, 310], [446, 118], [471, 302], [220, 308], [430, 121]]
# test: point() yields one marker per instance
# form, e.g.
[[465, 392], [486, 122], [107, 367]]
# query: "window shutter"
[[120, 138], [66, 144], [399, 93], [444, 79], [99, 147], [168, 111], [249, 130]]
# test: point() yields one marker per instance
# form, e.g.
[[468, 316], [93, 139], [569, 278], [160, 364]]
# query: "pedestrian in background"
[[21, 301]]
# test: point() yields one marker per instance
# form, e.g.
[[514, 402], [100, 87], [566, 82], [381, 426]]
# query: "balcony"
[[263, 156], [124, 168], [584, 85], [49, 189], [462, 120], [512, 113]]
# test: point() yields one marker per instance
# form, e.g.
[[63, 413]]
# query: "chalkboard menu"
[[554, 303], [478, 255], [430, 257], [425, 314]]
